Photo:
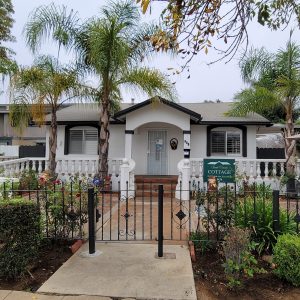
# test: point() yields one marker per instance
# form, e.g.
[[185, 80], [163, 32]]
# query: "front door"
[[157, 152]]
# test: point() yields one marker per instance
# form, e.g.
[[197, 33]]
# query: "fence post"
[[92, 220], [276, 220], [160, 220]]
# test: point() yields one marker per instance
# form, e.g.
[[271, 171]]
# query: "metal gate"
[[136, 218]]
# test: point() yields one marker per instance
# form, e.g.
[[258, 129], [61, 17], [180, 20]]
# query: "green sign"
[[222, 169]]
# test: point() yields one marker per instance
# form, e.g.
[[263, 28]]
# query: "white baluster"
[[281, 169], [93, 167], [258, 171], [201, 169], [22, 167], [17, 168], [251, 177], [297, 168], [86, 168], [67, 167], [11, 172], [58, 167], [27, 165], [40, 168], [73, 167], [80, 167], [193, 167], [46, 164], [274, 169], [6, 170], [244, 168]]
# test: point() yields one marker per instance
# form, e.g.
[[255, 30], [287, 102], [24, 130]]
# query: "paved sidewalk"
[[126, 270], [16, 295]]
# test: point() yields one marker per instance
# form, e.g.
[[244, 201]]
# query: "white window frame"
[[83, 129], [227, 131]]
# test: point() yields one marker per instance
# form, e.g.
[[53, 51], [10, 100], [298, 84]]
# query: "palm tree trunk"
[[53, 143], [104, 138], [290, 145]]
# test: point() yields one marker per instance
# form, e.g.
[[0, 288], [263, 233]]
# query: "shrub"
[[19, 236], [201, 242], [239, 261], [259, 218], [218, 208], [287, 258], [28, 180]]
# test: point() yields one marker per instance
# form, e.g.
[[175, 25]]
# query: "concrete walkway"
[[126, 270], [16, 295]]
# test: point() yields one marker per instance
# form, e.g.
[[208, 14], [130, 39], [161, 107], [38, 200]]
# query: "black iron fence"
[[126, 215], [63, 206]]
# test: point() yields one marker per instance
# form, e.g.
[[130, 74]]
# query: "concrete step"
[[154, 194], [154, 186], [156, 179]]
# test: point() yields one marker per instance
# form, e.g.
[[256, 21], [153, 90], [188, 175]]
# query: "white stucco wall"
[[117, 141], [157, 112], [198, 141], [251, 141], [140, 147]]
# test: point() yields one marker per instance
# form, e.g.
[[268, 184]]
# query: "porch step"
[[147, 186], [156, 179]]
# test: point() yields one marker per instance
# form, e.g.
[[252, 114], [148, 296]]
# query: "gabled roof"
[[207, 112], [196, 117]]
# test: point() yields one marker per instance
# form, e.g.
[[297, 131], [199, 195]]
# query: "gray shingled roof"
[[210, 112], [216, 112]]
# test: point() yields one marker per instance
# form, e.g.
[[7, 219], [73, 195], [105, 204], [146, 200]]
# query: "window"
[[83, 141], [225, 143]]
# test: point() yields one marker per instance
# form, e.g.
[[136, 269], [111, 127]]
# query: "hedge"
[[19, 236], [287, 258]]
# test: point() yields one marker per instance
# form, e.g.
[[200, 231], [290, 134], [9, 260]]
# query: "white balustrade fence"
[[269, 171], [71, 167], [14, 167]]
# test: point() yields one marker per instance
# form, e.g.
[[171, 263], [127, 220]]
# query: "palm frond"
[[149, 81], [253, 100], [51, 21], [255, 63]]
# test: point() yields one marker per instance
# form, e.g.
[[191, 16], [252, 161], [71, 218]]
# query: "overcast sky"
[[207, 82]]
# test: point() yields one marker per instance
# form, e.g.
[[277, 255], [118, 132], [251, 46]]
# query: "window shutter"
[[91, 142], [233, 143], [218, 139], [208, 141], [67, 140], [76, 141], [244, 148]]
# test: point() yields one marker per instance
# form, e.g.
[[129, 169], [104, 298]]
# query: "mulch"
[[51, 257], [211, 283]]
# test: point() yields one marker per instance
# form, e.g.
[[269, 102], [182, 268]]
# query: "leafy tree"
[[6, 21], [274, 80], [46, 85], [112, 47], [191, 26]]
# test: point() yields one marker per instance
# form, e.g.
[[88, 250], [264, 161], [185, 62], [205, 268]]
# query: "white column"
[[186, 175], [186, 143], [124, 184], [128, 143]]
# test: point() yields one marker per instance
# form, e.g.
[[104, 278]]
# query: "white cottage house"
[[163, 138], [154, 138]]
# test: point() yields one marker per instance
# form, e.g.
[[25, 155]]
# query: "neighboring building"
[[31, 136]]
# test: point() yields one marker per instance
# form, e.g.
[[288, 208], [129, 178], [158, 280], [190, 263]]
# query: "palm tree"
[[45, 85], [274, 81], [112, 47]]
